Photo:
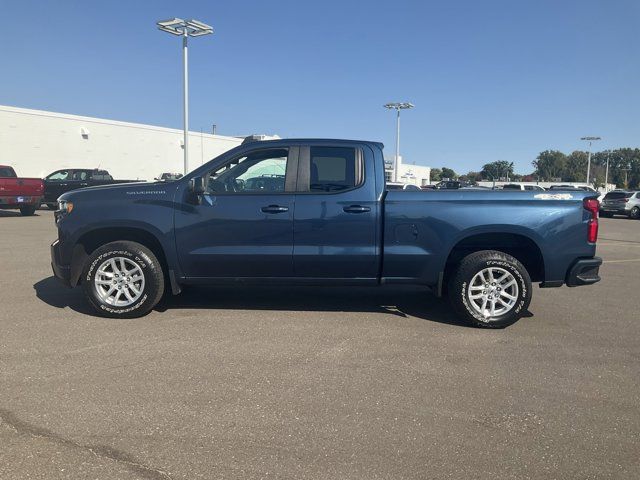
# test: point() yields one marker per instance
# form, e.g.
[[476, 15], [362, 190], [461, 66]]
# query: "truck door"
[[56, 184], [244, 226], [336, 216]]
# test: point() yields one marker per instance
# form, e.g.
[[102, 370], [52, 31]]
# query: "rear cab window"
[[334, 169], [7, 172]]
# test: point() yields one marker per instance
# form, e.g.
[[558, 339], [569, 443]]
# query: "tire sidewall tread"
[[472, 264], [151, 269]]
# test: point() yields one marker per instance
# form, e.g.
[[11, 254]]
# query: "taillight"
[[592, 206]]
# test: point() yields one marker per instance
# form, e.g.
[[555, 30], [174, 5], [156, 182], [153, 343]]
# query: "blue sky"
[[491, 80]]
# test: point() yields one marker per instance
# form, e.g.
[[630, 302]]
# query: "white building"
[[37, 143], [418, 175]]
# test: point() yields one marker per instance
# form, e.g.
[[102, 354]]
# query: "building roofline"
[[102, 121]]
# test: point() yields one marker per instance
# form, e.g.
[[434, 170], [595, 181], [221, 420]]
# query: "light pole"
[[606, 173], [185, 29], [589, 139], [397, 106]]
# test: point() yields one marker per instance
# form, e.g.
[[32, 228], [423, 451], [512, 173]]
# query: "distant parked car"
[[621, 202], [449, 185], [582, 188], [62, 181], [168, 177], [519, 186], [402, 186], [24, 194]]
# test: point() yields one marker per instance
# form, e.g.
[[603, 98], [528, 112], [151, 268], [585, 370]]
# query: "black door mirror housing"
[[197, 186], [196, 190]]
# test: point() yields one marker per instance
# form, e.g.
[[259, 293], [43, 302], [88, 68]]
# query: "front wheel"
[[635, 213], [490, 289], [123, 280]]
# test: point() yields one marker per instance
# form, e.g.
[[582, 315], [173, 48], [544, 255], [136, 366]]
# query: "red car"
[[24, 194]]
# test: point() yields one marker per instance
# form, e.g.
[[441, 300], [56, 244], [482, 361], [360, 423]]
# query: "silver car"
[[621, 202]]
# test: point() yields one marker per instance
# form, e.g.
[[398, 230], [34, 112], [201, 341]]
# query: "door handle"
[[356, 209], [274, 209]]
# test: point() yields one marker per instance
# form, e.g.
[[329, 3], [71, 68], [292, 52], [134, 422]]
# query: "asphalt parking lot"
[[316, 382]]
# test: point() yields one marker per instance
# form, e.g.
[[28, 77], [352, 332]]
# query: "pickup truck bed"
[[24, 194], [317, 212]]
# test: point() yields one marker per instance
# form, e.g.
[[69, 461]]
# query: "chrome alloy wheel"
[[493, 292], [119, 282]]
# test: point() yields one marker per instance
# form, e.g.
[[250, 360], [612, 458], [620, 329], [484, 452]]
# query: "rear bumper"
[[584, 272], [15, 202], [60, 271], [620, 209]]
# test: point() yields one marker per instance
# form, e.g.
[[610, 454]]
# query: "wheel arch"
[[92, 239], [518, 244]]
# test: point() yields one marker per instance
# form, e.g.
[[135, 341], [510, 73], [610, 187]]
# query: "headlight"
[[65, 207]]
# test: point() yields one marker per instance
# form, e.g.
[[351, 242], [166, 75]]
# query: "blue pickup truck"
[[316, 212]]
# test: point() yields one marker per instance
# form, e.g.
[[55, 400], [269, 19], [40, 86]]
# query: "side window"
[[333, 169], [262, 171], [7, 172], [59, 176]]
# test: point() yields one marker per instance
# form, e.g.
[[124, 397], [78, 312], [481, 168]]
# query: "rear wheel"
[[606, 214], [490, 289], [27, 210], [123, 280], [635, 213]]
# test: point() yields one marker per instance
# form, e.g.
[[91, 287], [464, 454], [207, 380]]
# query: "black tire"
[[151, 269], [466, 271], [635, 213], [52, 206], [606, 214], [27, 210]]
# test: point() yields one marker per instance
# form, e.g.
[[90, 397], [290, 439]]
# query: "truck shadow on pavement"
[[15, 213], [402, 302], [53, 293]]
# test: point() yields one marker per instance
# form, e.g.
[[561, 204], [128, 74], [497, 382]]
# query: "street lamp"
[[185, 29], [606, 173], [397, 106], [590, 140]]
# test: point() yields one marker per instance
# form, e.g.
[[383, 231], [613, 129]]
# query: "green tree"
[[550, 164], [575, 169], [436, 174], [497, 169], [448, 173], [621, 161], [472, 177]]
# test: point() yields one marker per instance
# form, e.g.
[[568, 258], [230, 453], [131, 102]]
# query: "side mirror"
[[196, 190], [197, 186]]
